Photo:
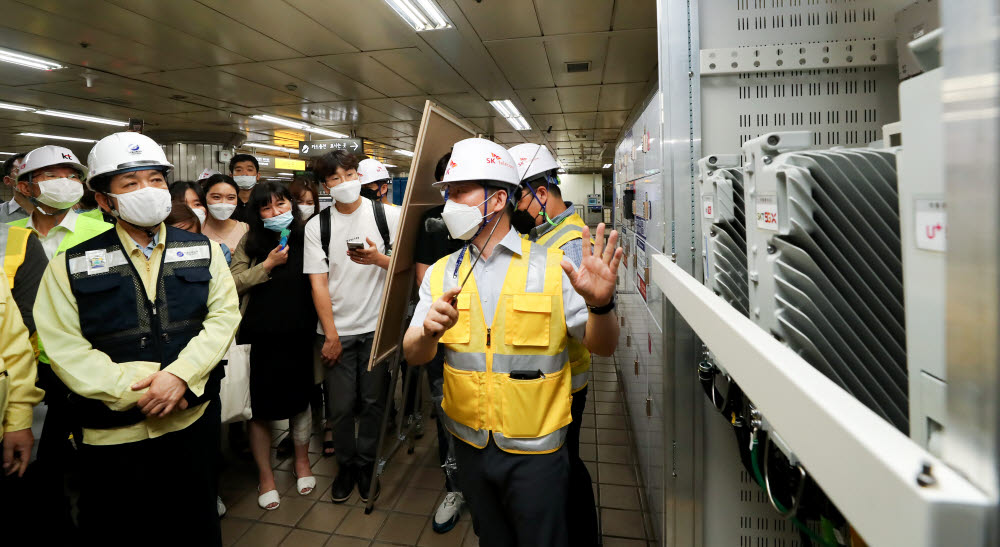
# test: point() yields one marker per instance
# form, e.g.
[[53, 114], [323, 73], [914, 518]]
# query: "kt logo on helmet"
[[67, 156], [495, 159]]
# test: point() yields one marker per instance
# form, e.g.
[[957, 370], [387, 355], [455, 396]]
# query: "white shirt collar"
[[13, 205], [68, 221]]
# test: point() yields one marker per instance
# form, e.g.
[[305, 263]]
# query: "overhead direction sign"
[[318, 148]]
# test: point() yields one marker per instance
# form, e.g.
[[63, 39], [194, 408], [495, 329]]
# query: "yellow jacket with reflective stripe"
[[14, 244], [579, 356], [528, 333]]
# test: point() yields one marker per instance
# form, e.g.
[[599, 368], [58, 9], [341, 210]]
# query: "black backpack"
[[383, 227]]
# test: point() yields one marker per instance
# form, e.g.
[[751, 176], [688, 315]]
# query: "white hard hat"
[[532, 159], [371, 170], [207, 173], [477, 160], [48, 156], [124, 152]]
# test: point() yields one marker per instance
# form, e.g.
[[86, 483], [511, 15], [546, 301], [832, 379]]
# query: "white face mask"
[[200, 213], [306, 210], [245, 182], [61, 193], [146, 207], [221, 211], [462, 220], [347, 191]]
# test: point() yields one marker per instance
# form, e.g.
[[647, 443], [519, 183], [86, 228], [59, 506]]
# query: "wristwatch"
[[601, 310]]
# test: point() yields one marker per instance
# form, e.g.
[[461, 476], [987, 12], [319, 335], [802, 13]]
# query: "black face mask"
[[369, 193], [522, 221]]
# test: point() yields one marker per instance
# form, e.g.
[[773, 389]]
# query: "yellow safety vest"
[[528, 333], [86, 228], [579, 356], [14, 243]]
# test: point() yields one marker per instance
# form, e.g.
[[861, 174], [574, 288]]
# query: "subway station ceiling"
[[351, 66]]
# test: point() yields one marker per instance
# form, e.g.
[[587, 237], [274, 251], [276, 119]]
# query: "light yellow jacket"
[[18, 369]]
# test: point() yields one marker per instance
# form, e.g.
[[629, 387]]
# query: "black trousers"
[[581, 509], [158, 491], [446, 442], [349, 382], [515, 499]]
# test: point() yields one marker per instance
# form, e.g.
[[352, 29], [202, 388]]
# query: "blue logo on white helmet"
[[134, 149]]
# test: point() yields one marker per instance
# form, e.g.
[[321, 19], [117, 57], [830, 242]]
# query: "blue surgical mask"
[[278, 223]]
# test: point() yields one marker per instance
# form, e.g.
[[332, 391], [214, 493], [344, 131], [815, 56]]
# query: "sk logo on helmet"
[[495, 159], [134, 149], [451, 164]]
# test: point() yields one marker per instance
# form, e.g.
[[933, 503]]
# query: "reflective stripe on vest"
[[528, 333], [569, 229], [14, 244]]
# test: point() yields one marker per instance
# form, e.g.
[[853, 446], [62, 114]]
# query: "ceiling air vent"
[[578, 66]]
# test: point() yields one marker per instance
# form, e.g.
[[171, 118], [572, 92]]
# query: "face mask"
[[278, 223], [522, 221], [462, 220], [369, 193], [200, 213], [306, 210], [145, 208], [245, 182], [346, 192], [61, 193], [221, 211]]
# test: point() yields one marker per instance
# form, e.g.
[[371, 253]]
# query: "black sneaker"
[[365, 472], [343, 485]]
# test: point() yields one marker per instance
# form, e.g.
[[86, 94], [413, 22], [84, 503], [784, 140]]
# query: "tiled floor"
[[413, 486]]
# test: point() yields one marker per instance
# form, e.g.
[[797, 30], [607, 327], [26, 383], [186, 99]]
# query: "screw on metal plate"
[[649, 407], [771, 249], [773, 140], [690, 74], [925, 478], [628, 340], [623, 320], [637, 367], [713, 160], [766, 160]]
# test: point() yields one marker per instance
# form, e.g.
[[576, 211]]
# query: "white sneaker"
[[219, 506], [448, 512]]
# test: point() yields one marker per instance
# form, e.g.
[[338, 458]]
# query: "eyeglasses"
[[48, 175]]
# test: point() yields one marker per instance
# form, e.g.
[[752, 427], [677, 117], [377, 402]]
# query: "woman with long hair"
[[220, 198], [278, 322]]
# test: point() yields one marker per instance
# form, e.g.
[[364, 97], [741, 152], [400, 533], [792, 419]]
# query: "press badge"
[[97, 261]]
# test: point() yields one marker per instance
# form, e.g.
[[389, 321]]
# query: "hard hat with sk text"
[[532, 160], [480, 160]]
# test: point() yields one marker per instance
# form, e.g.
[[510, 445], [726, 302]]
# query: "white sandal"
[[267, 498], [305, 485]]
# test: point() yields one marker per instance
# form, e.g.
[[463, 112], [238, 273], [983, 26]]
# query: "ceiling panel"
[[508, 139], [501, 20], [323, 76], [569, 16], [540, 101], [393, 108], [620, 96], [634, 14], [631, 56], [467, 105], [220, 85], [583, 120], [125, 92], [415, 102], [555, 120], [332, 114], [523, 62], [564, 49], [190, 17], [613, 119], [606, 134], [368, 71], [426, 71], [263, 74], [374, 27], [403, 128], [97, 14], [579, 98], [557, 136], [283, 23], [64, 53]]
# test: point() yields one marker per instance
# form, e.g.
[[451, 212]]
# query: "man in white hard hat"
[[18, 207], [544, 218], [374, 179], [505, 330], [135, 321], [52, 179]]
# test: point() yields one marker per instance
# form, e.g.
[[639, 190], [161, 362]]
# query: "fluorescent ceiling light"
[[607, 166], [8, 153], [511, 114], [404, 152], [55, 137], [271, 147], [81, 117], [299, 125], [19, 107], [420, 14], [289, 174], [30, 61], [388, 165]]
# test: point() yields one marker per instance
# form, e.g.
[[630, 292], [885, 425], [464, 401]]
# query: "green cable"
[[760, 480]]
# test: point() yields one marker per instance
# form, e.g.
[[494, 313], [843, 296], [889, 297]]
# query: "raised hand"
[[595, 279]]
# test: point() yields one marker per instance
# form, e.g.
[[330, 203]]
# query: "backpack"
[[325, 226]]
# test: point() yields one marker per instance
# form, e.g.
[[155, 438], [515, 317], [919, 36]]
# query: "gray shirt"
[[490, 274], [11, 211]]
